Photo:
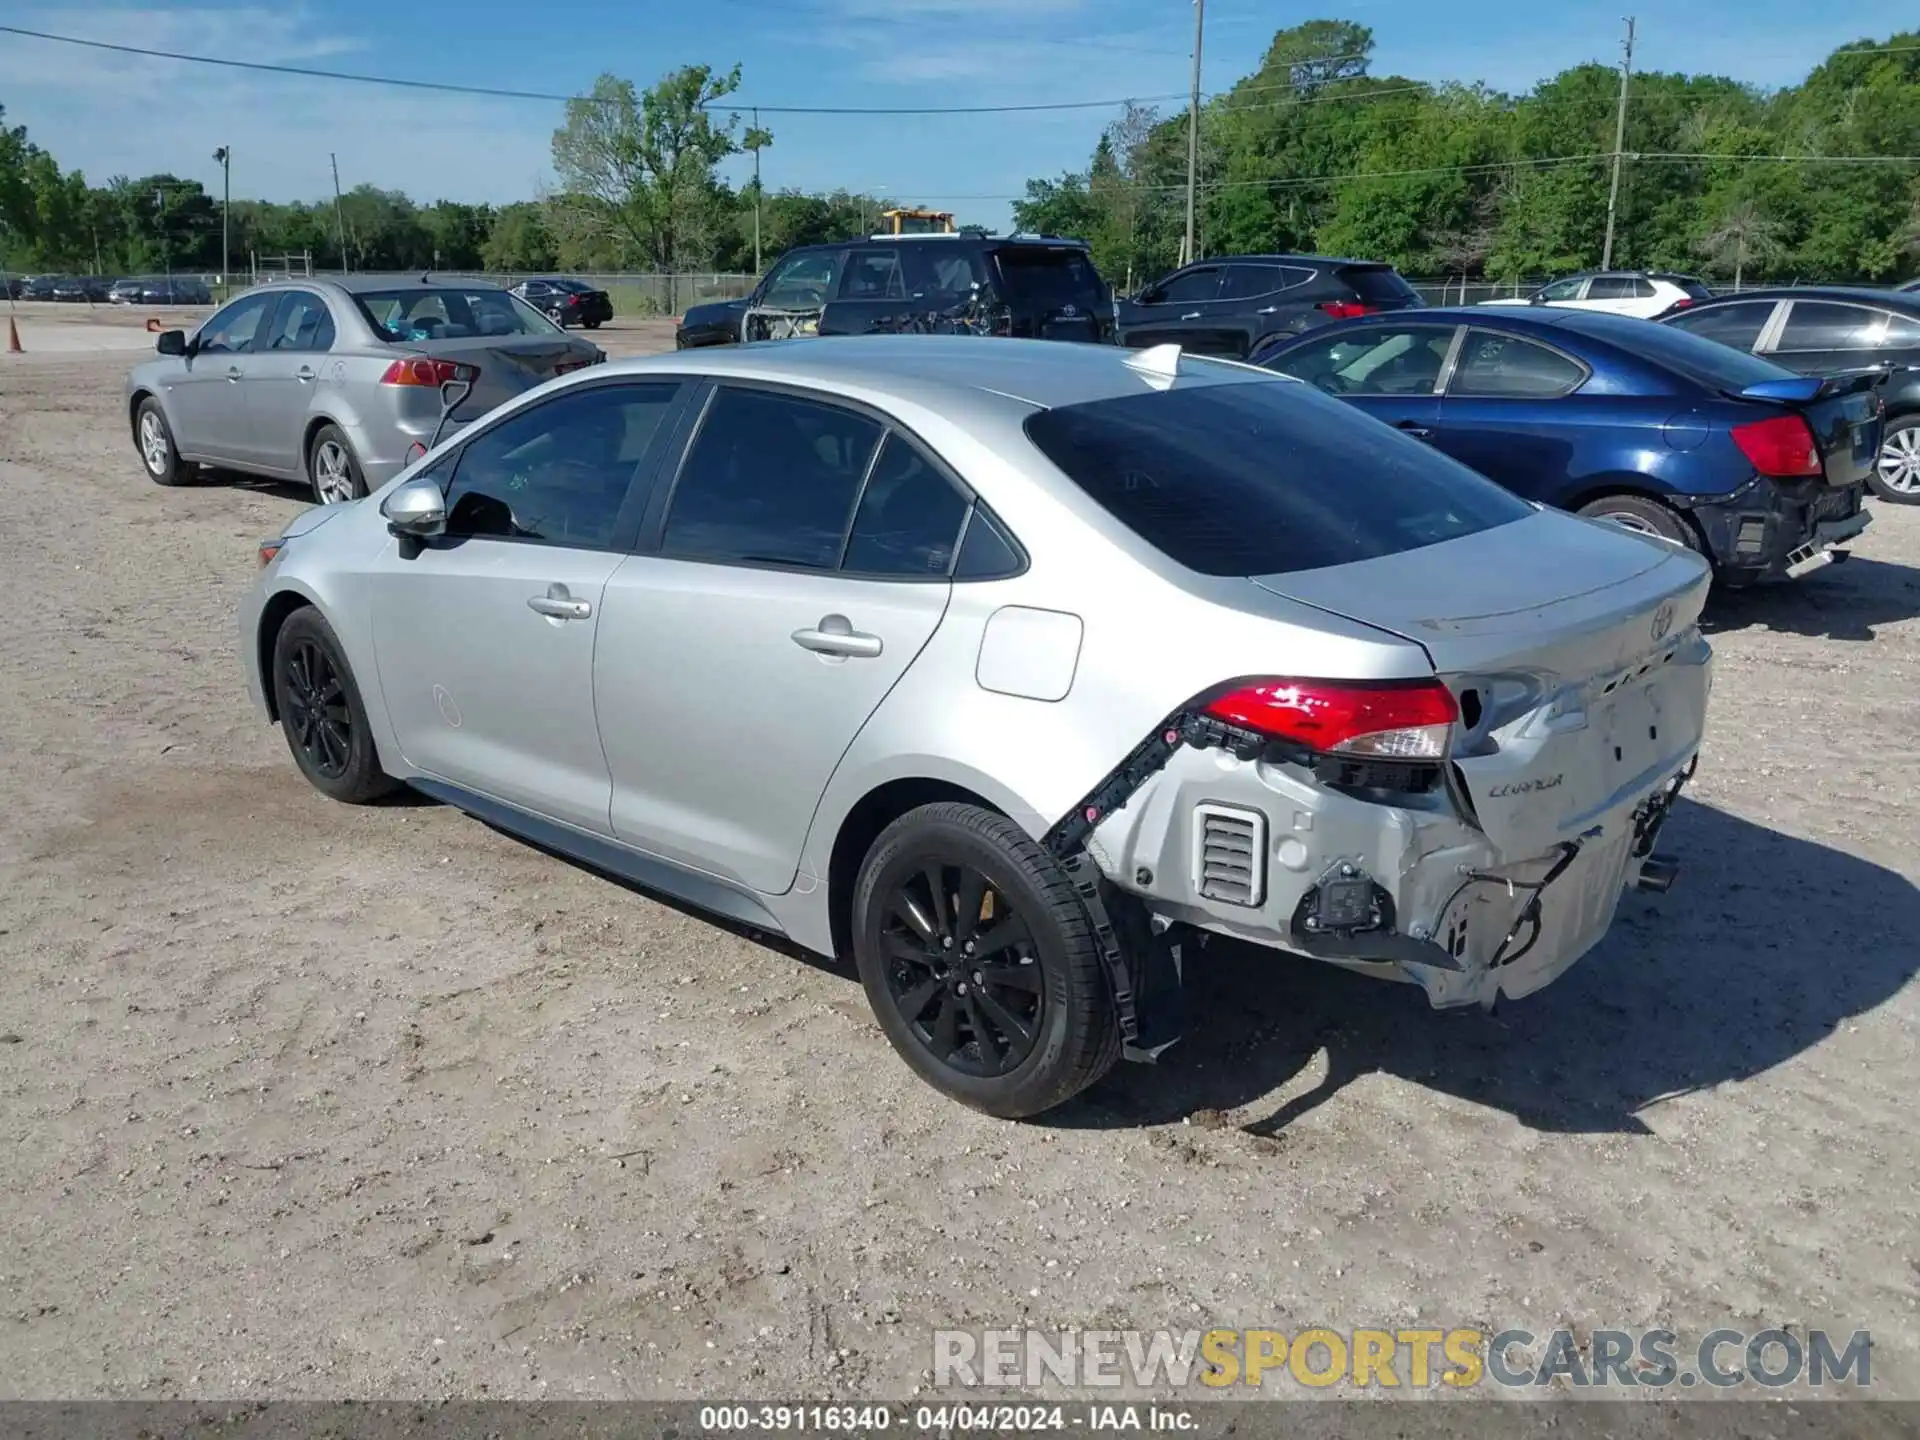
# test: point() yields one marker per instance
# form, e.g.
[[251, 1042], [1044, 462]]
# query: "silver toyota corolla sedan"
[[338, 383], [1004, 667]]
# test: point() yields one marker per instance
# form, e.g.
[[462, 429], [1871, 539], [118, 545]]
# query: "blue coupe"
[[1760, 469]]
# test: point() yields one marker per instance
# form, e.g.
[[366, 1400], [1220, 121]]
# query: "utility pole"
[[756, 194], [1193, 127], [1619, 143], [226, 232], [339, 215]]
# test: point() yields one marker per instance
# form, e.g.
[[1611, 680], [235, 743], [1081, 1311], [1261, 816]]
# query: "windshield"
[[1050, 277], [1264, 478], [446, 312]]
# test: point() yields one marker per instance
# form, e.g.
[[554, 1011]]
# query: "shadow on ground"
[[1764, 947], [1841, 602]]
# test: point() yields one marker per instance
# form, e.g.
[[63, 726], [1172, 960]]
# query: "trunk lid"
[[508, 365], [1844, 413], [1573, 648]]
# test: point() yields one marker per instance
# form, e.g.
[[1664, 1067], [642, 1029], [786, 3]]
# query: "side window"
[[1243, 282], [771, 480], [1194, 285], [909, 517], [558, 472], [1564, 289], [948, 272], [1903, 331], [1736, 325], [1380, 360], [1505, 366], [1820, 325], [1643, 289], [986, 552], [1611, 287], [873, 275], [234, 329], [803, 280], [301, 323]]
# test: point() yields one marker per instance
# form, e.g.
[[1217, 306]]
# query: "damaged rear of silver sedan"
[[1007, 668]]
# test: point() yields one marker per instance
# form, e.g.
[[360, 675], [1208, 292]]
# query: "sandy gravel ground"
[[299, 1100]]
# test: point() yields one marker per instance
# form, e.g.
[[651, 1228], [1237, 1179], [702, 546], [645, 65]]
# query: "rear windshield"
[[445, 312], [1696, 358], [1378, 282], [1050, 277], [1263, 478]]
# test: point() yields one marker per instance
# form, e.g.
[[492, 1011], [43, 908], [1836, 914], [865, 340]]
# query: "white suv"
[[1642, 293]]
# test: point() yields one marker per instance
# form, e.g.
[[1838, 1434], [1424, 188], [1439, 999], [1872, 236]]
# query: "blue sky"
[[111, 114]]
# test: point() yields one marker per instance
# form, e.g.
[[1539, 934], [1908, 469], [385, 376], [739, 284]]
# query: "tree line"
[[1313, 151]]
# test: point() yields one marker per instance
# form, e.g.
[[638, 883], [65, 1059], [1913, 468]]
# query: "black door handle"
[[1419, 432]]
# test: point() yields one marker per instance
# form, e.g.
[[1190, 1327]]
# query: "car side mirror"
[[171, 342], [1536, 300], [416, 510]]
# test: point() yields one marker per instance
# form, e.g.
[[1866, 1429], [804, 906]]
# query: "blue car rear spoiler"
[[1791, 390]]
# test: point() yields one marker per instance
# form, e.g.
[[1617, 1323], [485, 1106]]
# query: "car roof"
[[1599, 324], [1291, 259], [1905, 302], [367, 284], [924, 368]]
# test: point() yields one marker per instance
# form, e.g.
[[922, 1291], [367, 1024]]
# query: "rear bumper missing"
[[1777, 530]]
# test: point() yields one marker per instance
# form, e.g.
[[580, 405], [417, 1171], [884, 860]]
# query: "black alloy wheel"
[[961, 970], [318, 719]]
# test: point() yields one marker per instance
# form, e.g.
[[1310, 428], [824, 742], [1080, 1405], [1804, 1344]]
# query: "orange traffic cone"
[[14, 347]]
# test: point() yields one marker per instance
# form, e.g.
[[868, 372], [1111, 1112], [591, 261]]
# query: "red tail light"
[[1683, 302], [1400, 720], [1781, 447], [1345, 309], [419, 370]]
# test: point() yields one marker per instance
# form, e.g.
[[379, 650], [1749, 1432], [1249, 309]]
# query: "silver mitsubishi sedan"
[[1005, 668], [338, 383]]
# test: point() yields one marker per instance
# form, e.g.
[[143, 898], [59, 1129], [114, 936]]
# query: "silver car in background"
[[1003, 667], [338, 383]]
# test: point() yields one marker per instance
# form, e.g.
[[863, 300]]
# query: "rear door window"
[[1264, 477], [1612, 287], [1823, 325], [1738, 325], [909, 517], [302, 323], [1501, 366], [1378, 360], [1243, 282], [770, 480]]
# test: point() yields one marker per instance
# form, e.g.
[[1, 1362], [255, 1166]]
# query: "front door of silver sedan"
[[485, 637], [802, 563], [206, 398]]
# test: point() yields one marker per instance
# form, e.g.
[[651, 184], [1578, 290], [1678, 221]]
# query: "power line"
[[787, 12]]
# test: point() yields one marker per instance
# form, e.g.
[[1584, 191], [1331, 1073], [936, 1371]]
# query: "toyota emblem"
[[1662, 621]]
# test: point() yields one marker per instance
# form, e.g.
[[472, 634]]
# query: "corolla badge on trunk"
[[1662, 621]]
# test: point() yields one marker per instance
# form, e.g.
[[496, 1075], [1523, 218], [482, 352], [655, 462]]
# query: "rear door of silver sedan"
[[286, 370], [796, 568]]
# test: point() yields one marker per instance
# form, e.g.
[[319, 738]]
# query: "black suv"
[[1833, 330], [1037, 286], [1229, 305]]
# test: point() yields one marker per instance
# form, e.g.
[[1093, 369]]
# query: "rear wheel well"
[[1606, 488], [279, 610], [877, 810], [314, 427]]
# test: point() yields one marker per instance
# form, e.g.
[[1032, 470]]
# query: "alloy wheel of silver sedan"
[[333, 470], [1896, 473], [154, 445]]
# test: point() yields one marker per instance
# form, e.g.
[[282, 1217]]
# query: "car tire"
[[333, 470], [1035, 1007], [322, 714], [1895, 476], [153, 437], [591, 324], [1644, 517]]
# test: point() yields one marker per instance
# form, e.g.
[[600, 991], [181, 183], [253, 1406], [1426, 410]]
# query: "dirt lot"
[[299, 1100]]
